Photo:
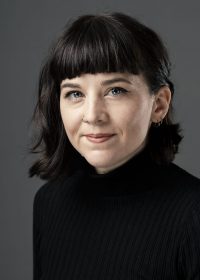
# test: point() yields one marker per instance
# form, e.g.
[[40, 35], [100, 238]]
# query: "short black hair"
[[99, 43]]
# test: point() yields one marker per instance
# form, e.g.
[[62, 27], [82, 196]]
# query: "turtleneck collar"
[[137, 175]]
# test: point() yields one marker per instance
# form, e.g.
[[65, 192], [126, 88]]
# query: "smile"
[[98, 138]]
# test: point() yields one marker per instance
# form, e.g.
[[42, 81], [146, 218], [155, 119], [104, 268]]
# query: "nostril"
[[85, 120]]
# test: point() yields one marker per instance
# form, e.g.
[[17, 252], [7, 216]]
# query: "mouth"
[[99, 138]]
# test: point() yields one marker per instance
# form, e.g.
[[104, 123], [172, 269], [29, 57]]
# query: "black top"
[[140, 221]]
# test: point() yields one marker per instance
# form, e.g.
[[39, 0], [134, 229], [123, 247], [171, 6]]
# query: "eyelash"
[[122, 90], [70, 93]]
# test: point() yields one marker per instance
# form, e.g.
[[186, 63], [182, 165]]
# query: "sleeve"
[[37, 212], [189, 254]]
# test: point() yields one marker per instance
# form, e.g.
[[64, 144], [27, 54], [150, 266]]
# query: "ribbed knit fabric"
[[139, 221]]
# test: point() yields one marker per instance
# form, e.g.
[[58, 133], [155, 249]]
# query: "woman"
[[114, 206]]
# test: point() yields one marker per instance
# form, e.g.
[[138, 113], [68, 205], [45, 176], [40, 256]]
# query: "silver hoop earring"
[[157, 124]]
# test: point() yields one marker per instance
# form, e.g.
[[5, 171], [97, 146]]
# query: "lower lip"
[[99, 139]]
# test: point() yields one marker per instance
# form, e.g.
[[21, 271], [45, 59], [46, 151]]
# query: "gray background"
[[27, 30]]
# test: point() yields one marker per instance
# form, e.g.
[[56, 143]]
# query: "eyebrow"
[[71, 85], [104, 83], [115, 80]]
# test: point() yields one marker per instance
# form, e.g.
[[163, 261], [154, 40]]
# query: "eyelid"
[[68, 93], [123, 90], [69, 97]]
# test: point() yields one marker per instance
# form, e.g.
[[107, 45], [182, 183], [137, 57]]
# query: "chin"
[[99, 163], [100, 160]]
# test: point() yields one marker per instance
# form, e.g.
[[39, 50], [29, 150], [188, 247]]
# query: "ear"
[[161, 104]]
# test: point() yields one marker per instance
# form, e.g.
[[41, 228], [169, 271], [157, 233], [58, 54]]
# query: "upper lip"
[[99, 135]]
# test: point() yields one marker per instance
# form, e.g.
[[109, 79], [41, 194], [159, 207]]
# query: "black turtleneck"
[[139, 221], [135, 176]]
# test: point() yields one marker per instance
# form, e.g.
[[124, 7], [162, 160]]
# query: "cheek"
[[135, 120], [71, 122], [69, 128]]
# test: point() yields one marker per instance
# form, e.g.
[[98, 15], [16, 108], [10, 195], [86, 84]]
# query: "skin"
[[107, 116]]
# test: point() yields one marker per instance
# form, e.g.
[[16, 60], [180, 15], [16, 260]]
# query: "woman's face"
[[106, 116]]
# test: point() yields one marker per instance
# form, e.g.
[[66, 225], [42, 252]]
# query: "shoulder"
[[183, 186], [189, 245], [183, 176], [53, 190]]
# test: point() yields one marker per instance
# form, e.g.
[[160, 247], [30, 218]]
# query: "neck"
[[136, 175], [122, 162]]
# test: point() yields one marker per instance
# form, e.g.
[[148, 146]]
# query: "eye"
[[73, 95], [117, 91]]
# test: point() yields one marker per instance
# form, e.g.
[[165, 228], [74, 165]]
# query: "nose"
[[94, 111]]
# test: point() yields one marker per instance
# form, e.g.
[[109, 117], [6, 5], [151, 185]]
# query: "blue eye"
[[117, 91], [73, 95]]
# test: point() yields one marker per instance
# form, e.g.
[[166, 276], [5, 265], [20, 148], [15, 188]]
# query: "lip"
[[99, 137]]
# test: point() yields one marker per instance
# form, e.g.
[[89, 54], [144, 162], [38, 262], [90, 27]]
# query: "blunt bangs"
[[94, 45]]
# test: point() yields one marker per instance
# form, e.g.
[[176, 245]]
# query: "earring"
[[157, 123]]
